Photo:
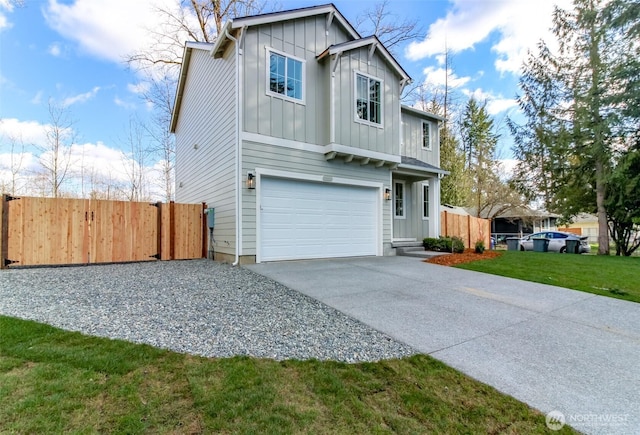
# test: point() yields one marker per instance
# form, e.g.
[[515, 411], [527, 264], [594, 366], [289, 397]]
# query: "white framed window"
[[425, 201], [399, 199], [426, 135], [285, 76], [368, 99]]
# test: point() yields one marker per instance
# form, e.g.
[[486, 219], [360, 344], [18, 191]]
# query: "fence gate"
[[55, 231]]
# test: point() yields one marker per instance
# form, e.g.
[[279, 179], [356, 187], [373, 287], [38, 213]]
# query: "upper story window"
[[286, 76], [368, 99], [426, 135]]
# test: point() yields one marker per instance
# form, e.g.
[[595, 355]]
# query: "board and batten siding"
[[269, 115], [413, 225], [349, 132], [411, 145], [206, 139], [263, 156]]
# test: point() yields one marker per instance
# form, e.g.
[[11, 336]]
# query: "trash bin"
[[513, 244], [540, 244], [573, 247]]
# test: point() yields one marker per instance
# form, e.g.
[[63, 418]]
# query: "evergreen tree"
[[573, 100], [479, 145]]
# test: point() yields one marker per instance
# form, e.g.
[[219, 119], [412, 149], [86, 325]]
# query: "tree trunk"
[[603, 226]]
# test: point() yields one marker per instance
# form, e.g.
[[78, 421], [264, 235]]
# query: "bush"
[[431, 244], [443, 244], [480, 247], [458, 245]]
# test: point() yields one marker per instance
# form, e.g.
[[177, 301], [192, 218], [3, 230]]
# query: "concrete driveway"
[[555, 349]]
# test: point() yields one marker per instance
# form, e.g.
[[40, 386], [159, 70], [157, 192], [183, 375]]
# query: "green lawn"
[[52, 381], [618, 277]]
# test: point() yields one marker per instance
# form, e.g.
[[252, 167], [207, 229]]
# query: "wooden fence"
[[470, 229], [57, 231]]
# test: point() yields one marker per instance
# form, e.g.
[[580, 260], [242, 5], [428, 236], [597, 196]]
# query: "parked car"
[[557, 241]]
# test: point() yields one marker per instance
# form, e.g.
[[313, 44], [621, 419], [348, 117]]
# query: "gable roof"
[[274, 17], [184, 68], [374, 44], [421, 113]]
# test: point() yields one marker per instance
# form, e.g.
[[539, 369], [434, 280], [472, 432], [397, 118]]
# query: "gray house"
[[291, 126]]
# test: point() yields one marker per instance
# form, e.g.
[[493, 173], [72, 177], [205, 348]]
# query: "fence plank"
[[469, 229]]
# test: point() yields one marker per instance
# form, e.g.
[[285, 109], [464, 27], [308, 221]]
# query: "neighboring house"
[[584, 224], [520, 221], [291, 127]]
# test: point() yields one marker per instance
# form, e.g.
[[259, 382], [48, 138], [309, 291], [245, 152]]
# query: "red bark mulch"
[[467, 256]]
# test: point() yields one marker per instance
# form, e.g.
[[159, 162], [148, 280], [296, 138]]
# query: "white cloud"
[[495, 103], [113, 29], [37, 98], [124, 104], [80, 98], [30, 132], [5, 5], [138, 88], [55, 50], [520, 24], [437, 76]]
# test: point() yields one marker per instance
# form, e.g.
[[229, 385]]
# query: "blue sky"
[[71, 52]]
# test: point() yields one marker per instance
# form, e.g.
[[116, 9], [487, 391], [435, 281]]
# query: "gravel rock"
[[195, 306]]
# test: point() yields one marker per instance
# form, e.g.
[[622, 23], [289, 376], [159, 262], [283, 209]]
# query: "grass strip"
[[612, 276], [57, 381]]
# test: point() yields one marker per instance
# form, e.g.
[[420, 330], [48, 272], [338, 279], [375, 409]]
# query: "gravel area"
[[198, 307]]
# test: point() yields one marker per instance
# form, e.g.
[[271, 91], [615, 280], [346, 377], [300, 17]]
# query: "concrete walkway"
[[552, 348]]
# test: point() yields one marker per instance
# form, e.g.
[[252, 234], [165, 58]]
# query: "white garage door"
[[301, 219]]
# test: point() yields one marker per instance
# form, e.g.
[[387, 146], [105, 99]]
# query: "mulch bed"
[[467, 256]]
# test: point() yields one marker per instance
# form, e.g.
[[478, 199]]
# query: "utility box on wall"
[[211, 217]]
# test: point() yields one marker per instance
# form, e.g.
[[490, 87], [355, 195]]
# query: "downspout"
[[238, 141]]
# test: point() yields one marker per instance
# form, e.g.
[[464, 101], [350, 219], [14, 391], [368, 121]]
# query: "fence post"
[[446, 231], [4, 231], [159, 229], [172, 230], [204, 230]]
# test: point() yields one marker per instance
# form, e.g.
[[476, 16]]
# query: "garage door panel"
[[316, 220]]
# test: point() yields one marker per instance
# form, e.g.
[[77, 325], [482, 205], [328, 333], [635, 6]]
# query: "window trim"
[[428, 147], [425, 201], [395, 199], [356, 118], [269, 92]]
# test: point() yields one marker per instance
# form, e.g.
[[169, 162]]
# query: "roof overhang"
[[360, 156], [374, 45], [333, 14], [184, 69], [422, 113], [418, 169]]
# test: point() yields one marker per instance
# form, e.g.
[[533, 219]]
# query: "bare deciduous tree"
[[55, 154], [188, 20], [389, 28], [135, 160], [14, 165]]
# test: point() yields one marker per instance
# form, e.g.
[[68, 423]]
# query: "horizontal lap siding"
[[207, 119], [274, 157]]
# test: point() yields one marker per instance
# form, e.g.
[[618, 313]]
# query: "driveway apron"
[[555, 349]]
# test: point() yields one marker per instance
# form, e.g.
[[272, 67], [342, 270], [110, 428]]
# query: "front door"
[[401, 209]]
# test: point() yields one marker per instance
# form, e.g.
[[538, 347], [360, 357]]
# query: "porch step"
[[417, 251]]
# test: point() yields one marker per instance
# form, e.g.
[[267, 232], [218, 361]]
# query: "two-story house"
[[291, 127]]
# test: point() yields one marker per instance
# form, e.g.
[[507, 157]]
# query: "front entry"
[[402, 208]]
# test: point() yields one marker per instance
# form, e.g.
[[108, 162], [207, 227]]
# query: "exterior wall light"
[[387, 194], [251, 180]]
